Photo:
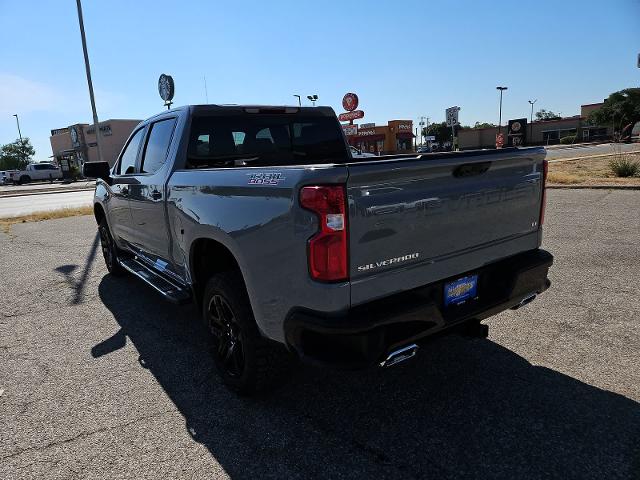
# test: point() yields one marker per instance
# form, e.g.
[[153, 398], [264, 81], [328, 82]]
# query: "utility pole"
[[299, 101], [89, 82], [531, 121]]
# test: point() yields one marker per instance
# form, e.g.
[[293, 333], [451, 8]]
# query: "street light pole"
[[21, 141], [502, 89], [18, 123], [531, 121], [89, 82], [299, 101]]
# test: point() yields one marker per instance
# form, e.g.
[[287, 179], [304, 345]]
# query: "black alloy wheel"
[[109, 249], [227, 336]]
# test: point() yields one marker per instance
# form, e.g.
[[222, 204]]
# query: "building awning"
[[404, 135], [366, 138]]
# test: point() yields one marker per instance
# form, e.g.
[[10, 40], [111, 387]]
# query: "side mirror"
[[97, 170]]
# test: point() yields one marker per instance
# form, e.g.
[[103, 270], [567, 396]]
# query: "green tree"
[[484, 125], [16, 155], [622, 109], [547, 115], [441, 131]]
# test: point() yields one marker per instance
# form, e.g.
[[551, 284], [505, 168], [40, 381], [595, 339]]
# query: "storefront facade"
[[395, 137], [74, 145]]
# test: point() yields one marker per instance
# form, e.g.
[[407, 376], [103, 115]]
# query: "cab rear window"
[[263, 139]]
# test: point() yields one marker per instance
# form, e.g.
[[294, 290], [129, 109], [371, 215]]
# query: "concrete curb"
[[44, 192], [587, 157], [594, 187]]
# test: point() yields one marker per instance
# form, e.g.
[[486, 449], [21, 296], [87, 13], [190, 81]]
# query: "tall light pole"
[[313, 99], [531, 121], [20, 135], [502, 89], [18, 123], [88, 70], [299, 101]]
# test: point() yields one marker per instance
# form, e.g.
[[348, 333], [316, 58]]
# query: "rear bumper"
[[365, 334]]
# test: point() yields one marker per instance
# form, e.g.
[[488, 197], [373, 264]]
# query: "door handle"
[[156, 195]]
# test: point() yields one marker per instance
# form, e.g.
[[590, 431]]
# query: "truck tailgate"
[[416, 221]]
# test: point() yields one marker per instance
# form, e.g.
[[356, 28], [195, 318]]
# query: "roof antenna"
[[206, 93]]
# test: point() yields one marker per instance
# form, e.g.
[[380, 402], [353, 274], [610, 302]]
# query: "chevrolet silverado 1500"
[[291, 247]]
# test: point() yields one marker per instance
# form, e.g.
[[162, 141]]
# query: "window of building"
[[569, 132], [127, 163], [157, 148]]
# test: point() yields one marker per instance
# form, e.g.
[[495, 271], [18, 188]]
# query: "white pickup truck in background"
[[36, 171]]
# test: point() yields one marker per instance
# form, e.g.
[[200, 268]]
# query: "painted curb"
[[594, 187], [44, 192]]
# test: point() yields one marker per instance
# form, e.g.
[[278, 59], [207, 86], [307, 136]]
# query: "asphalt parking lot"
[[102, 379]]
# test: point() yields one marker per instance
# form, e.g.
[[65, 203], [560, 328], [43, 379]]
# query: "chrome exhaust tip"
[[524, 301], [401, 355]]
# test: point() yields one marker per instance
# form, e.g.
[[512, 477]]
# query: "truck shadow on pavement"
[[463, 408]]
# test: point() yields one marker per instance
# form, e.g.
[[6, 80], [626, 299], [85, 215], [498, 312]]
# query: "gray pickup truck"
[[293, 248]]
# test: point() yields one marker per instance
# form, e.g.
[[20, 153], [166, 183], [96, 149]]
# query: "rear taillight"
[[545, 170], [328, 249]]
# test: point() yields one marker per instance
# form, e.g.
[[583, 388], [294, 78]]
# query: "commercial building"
[[395, 137], [543, 132], [76, 144]]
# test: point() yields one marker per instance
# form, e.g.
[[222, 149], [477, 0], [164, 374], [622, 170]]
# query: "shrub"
[[623, 166], [569, 139]]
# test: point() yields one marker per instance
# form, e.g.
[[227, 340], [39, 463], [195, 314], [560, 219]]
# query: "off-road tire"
[[264, 363], [109, 249]]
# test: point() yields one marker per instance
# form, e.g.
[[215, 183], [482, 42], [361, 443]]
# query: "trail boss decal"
[[265, 178], [389, 261]]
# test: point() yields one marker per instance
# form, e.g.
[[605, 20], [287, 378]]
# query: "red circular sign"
[[350, 102]]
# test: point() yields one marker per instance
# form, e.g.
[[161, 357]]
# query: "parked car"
[[36, 172], [291, 247], [4, 177], [355, 153], [424, 149]]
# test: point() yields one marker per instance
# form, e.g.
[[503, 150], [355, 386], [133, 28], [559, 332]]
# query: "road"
[[572, 151], [27, 204], [102, 379]]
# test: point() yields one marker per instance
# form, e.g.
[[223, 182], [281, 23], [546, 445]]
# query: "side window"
[[128, 159], [157, 148]]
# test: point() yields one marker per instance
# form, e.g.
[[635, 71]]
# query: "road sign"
[[430, 138], [452, 116], [345, 117]]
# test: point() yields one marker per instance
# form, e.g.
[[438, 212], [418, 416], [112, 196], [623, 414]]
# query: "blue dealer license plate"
[[460, 290]]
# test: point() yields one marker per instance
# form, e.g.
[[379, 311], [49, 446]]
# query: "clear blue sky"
[[404, 59]]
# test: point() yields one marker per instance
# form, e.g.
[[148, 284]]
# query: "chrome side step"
[[401, 355], [169, 290], [524, 301]]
